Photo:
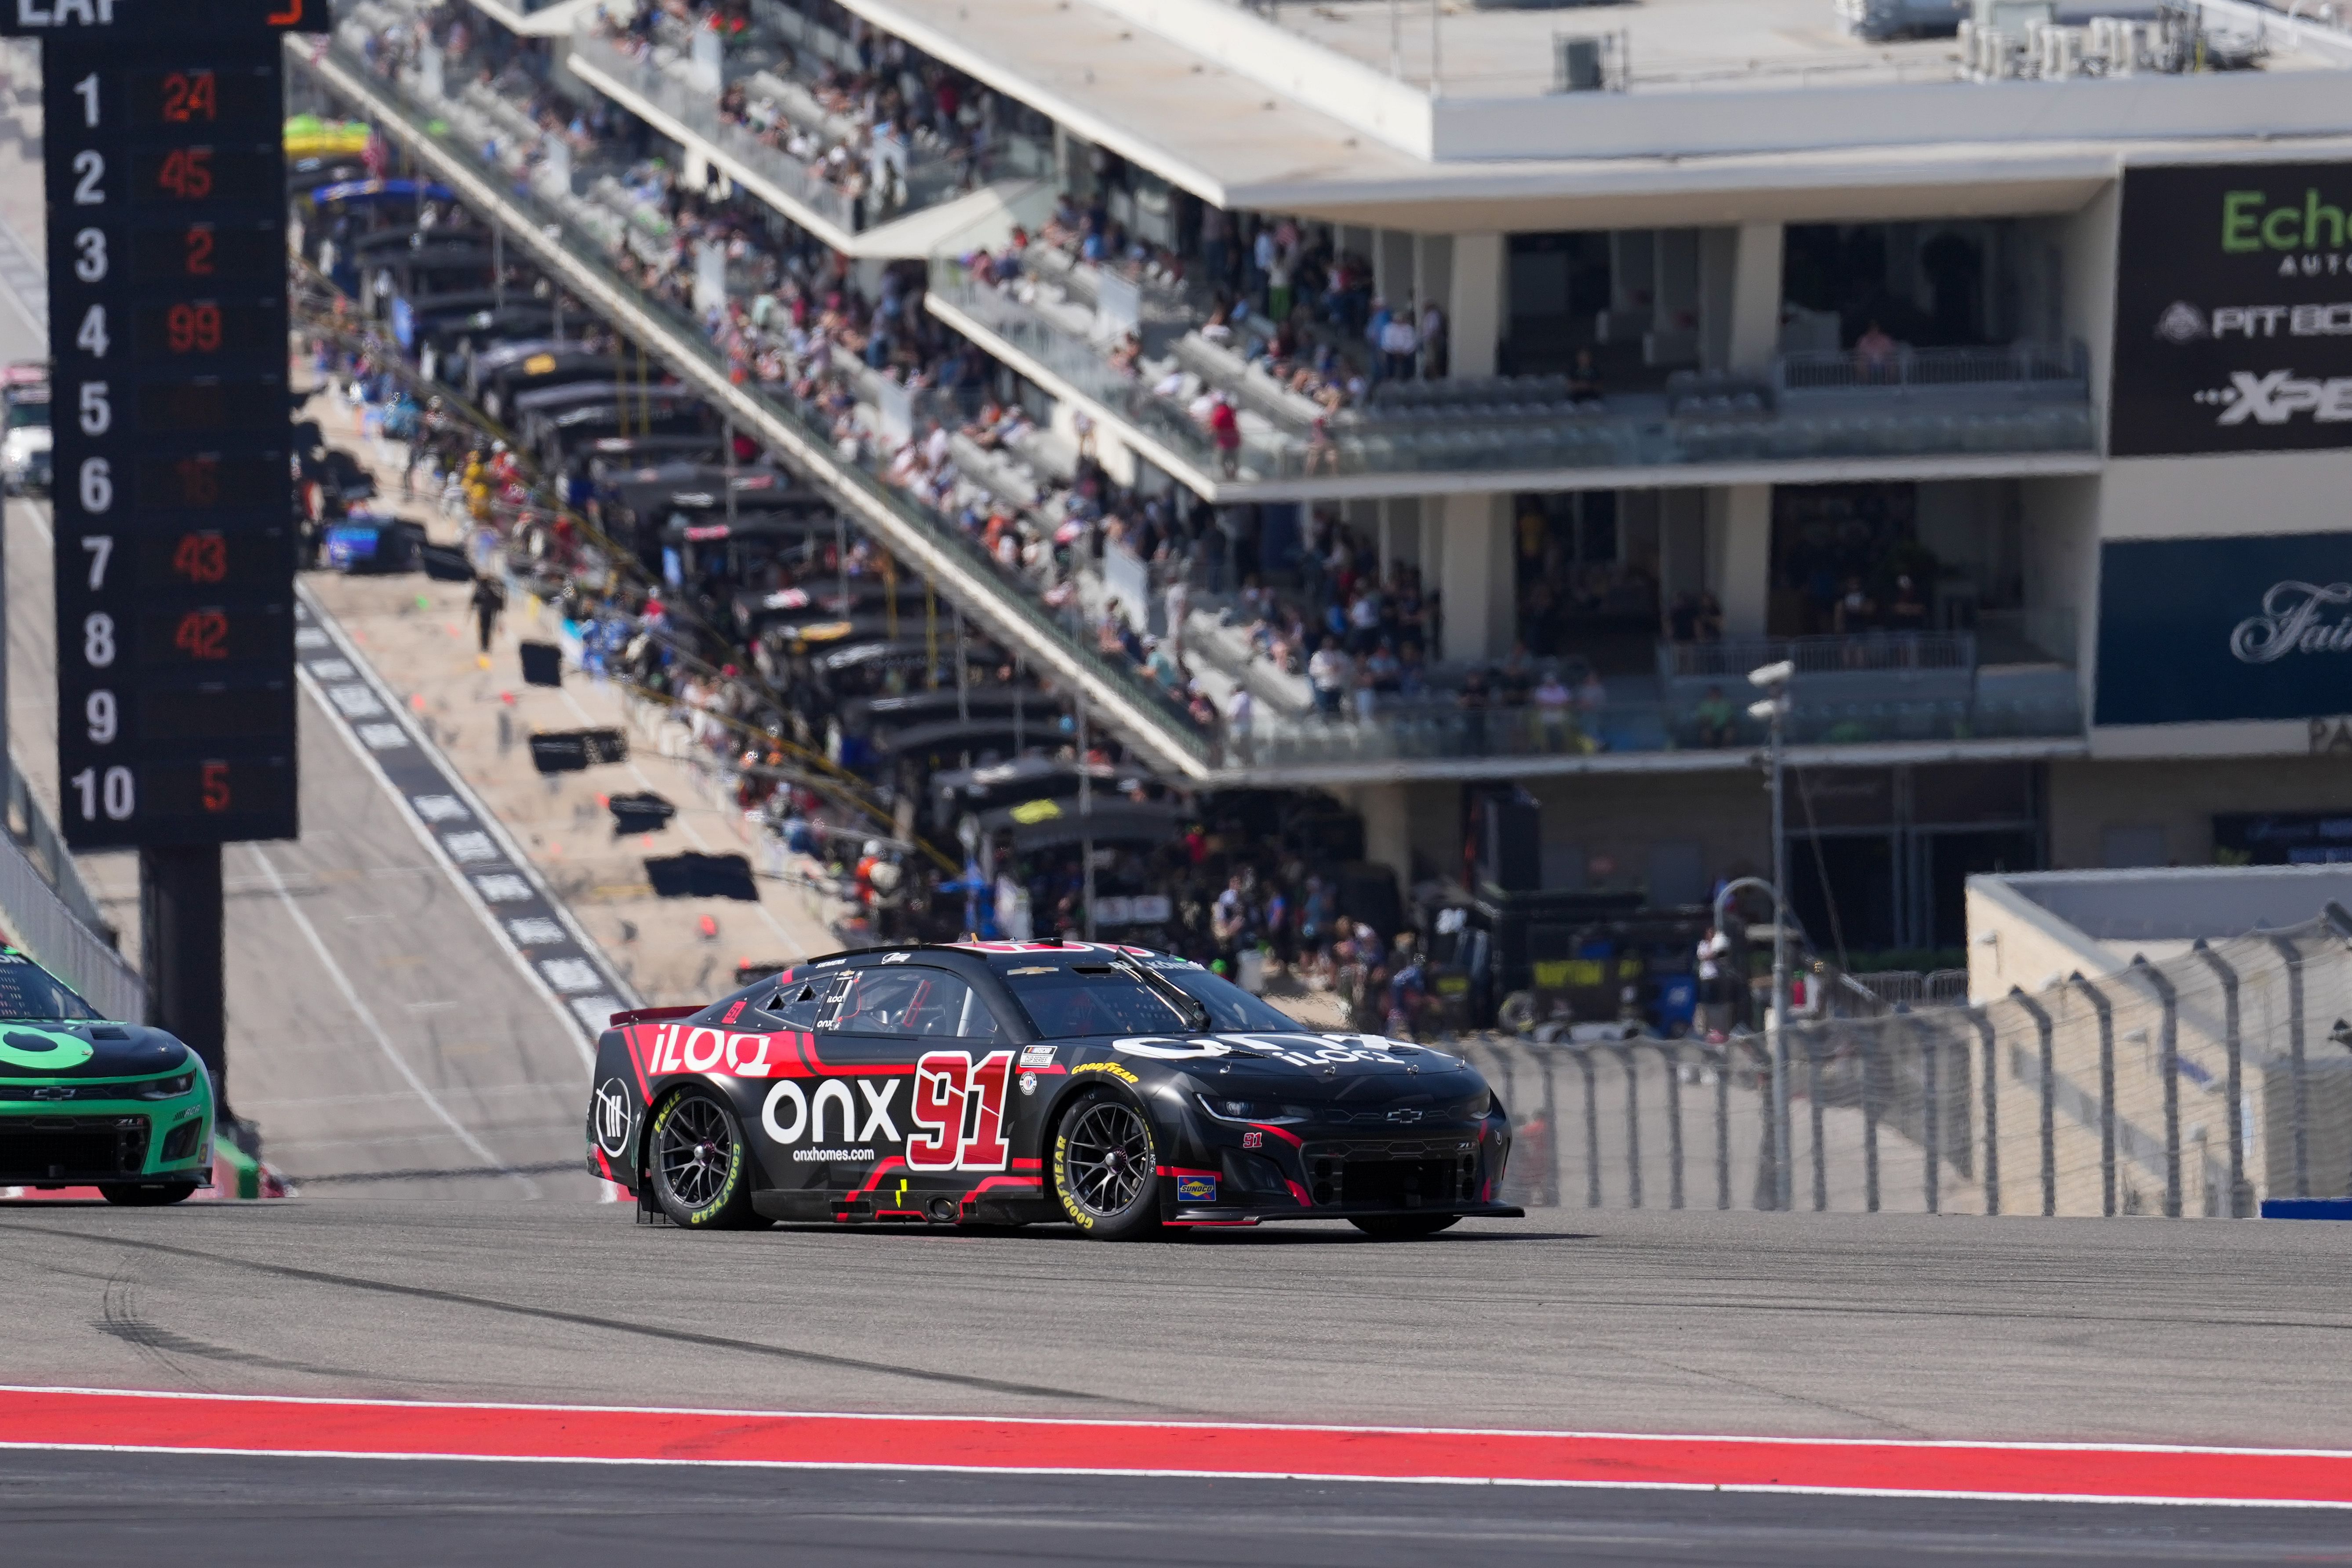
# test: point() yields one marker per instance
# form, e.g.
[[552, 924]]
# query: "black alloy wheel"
[[701, 1168], [1103, 1168]]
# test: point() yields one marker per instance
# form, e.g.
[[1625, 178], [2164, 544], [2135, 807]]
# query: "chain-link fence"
[[2196, 1082]]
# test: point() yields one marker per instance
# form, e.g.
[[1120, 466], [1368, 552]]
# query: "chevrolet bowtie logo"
[[1406, 1114]]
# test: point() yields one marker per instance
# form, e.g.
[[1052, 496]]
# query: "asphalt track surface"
[[259, 1513], [1772, 1325]]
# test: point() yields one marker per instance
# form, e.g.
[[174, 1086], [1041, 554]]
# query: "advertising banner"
[[2234, 310], [2193, 630]]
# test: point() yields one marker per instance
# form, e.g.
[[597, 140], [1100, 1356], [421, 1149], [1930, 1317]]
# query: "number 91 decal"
[[959, 1109]]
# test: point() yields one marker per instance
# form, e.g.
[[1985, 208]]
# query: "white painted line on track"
[[383, 1042]]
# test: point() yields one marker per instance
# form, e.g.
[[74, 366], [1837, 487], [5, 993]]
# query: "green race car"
[[85, 1101]]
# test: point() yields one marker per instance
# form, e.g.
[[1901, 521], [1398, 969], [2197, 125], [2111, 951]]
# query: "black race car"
[[1113, 1087]]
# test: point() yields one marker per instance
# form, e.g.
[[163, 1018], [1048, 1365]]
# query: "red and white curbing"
[[2107, 1473]]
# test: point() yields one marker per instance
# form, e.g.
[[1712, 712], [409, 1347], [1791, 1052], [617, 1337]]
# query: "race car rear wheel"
[[1103, 1167], [1403, 1226], [701, 1167], [149, 1195]]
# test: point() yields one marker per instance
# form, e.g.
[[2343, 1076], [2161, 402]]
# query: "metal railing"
[[2205, 1084], [42, 922], [698, 112], [1441, 727], [1450, 437], [1860, 651], [2042, 368], [806, 433]]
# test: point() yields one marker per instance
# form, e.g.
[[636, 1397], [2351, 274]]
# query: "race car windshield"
[[1065, 1001], [1230, 1006], [29, 991]]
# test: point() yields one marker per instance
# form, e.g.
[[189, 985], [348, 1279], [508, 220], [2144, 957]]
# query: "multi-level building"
[[2001, 378]]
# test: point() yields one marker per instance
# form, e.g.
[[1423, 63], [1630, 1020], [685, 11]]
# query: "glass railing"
[[1453, 436], [403, 115], [1077, 361], [1442, 728], [696, 108]]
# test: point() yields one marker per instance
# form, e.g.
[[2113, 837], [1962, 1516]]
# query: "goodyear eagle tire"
[[149, 1195], [1403, 1226], [1104, 1161], [701, 1167]]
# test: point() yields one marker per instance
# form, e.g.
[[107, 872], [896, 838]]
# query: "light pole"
[[1774, 711]]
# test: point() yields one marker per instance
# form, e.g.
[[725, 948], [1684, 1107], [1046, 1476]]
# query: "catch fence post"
[[2233, 1052], [1670, 1053], [2107, 1013], [2298, 1070], [1591, 1128], [1770, 1166], [2041, 1027], [1625, 1055], [1813, 1118], [1866, 1052], [1931, 1107], [1982, 1021], [1551, 1125], [2167, 1059], [1723, 1130]]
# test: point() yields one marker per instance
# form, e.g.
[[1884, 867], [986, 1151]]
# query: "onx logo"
[[957, 1112], [791, 1114], [610, 1114]]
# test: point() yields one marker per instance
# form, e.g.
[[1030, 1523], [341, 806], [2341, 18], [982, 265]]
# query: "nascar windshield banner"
[[2234, 310]]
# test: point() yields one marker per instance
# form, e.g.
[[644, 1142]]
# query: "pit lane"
[[1851, 1326]]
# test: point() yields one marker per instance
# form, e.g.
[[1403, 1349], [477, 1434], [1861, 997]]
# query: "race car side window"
[[796, 1005], [908, 1001]]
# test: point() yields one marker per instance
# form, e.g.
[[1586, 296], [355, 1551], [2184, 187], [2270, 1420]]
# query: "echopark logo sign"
[[2232, 315], [2295, 619]]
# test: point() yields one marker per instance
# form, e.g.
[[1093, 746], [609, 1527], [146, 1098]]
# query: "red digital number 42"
[[959, 1106]]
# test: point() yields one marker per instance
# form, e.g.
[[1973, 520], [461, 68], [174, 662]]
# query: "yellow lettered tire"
[[1105, 1174], [698, 1162]]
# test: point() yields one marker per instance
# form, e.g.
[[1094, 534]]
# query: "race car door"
[[932, 1070]]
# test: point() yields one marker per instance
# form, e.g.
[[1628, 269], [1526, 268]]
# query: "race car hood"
[[1296, 1061], [49, 1050]]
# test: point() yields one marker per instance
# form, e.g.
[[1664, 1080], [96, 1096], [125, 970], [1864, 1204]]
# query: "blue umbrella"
[[381, 191]]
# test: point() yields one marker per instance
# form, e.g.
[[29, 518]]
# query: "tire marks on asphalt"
[[594, 1320]]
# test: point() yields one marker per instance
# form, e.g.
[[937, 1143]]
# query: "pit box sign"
[[2208, 630], [2234, 310]]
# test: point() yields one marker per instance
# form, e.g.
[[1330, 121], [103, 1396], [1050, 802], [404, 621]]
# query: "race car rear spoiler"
[[653, 1015]]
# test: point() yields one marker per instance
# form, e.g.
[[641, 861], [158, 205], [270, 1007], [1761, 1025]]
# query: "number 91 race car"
[[1112, 1087]]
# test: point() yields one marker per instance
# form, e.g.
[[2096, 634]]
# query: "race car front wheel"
[[1103, 1167], [701, 1169]]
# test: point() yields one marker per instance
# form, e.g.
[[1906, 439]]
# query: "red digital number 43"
[[959, 1106]]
